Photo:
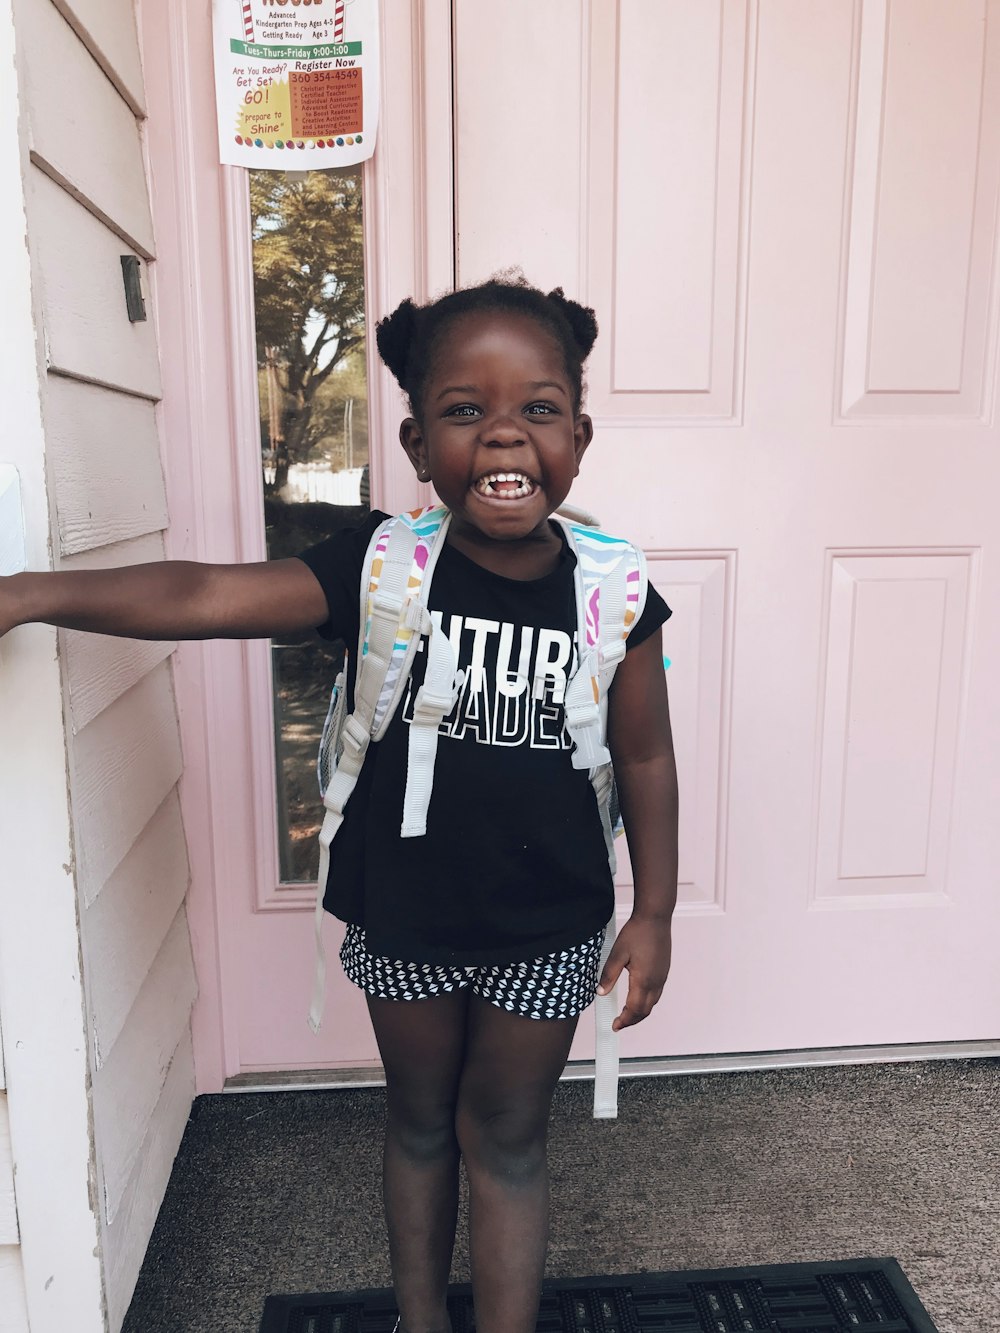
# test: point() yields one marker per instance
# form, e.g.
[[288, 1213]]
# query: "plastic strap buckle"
[[612, 653], [589, 752], [582, 715], [385, 606], [355, 736], [430, 707], [415, 616]]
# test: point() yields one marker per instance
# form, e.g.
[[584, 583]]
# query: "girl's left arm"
[[642, 751]]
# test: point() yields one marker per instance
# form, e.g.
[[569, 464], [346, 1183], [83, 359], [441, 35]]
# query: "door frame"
[[203, 300]]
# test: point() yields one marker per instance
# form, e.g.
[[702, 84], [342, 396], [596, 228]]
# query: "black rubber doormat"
[[862, 1295]]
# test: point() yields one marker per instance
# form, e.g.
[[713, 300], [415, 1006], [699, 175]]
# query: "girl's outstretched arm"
[[642, 749], [171, 599]]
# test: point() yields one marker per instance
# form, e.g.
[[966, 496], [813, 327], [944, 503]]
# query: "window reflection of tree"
[[308, 263]]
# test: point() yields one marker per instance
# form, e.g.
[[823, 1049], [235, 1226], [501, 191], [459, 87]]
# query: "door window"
[[309, 297]]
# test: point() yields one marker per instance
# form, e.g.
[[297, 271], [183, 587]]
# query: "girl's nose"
[[502, 430]]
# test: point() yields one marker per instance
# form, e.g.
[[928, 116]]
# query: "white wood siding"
[[55, 1272], [102, 168], [125, 1242], [8, 1207], [131, 1082], [87, 332], [88, 204], [13, 1311], [130, 920], [107, 29], [123, 765], [93, 435]]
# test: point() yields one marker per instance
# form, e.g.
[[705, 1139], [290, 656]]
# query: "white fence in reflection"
[[315, 481]]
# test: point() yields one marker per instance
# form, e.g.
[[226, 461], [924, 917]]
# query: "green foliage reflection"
[[309, 294]]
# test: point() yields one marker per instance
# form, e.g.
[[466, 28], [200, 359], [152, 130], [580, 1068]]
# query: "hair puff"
[[395, 336], [580, 318]]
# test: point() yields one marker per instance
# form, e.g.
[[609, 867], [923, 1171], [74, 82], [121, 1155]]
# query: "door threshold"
[[373, 1076]]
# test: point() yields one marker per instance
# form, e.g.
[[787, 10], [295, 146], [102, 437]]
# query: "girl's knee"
[[508, 1143], [422, 1134]]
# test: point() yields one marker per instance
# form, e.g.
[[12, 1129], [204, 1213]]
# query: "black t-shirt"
[[513, 864]]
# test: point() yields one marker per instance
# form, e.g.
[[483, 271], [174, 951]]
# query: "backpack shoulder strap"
[[611, 584], [393, 607], [609, 564], [392, 618], [435, 698]]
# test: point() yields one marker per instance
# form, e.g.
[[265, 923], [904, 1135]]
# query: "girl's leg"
[[511, 1068], [422, 1044]]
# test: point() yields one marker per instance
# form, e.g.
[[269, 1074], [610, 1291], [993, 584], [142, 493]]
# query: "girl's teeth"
[[488, 486]]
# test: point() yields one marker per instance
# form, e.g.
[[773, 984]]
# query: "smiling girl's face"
[[499, 433]]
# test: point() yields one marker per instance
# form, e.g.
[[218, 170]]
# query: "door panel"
[[921, 223], [895, 668]]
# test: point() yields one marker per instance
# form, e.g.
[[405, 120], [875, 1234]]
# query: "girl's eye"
[[541, 409], [462, 410]]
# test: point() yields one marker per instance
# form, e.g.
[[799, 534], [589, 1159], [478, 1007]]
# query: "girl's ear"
[[583, 433], [411, 437]]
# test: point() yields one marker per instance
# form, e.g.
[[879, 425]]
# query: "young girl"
[[478, 944]]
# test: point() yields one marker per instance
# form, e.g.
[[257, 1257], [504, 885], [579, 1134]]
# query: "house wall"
[[13, 1312], [49, 1269], [87, 205]]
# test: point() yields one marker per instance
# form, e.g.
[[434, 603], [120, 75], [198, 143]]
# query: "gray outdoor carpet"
[[280, 1192]]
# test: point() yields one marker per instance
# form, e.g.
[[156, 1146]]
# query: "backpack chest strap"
[[434, 700]]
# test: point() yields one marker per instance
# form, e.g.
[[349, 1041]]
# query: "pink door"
[[791, 250]]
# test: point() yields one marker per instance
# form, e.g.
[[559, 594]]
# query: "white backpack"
[[611, 585]]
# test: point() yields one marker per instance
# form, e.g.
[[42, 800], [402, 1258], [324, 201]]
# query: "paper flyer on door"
[[296, 82]]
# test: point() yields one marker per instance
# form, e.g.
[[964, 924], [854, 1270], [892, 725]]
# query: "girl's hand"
[[643, 949]]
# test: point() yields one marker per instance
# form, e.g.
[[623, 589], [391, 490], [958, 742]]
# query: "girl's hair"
[[408, 337]]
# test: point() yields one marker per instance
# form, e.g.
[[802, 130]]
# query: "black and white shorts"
[[559, 985]]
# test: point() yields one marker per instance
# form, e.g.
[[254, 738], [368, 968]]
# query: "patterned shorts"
[[559, 985]]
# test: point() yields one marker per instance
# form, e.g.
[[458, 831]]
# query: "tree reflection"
[[308, 264]]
